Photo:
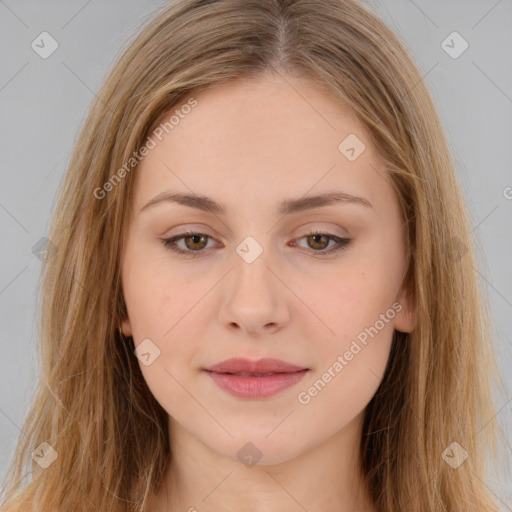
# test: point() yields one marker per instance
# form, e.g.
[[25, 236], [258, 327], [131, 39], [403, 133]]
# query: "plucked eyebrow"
[[286, 207]]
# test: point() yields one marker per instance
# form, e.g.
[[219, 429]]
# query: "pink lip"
[[253, 386], [265, 365]]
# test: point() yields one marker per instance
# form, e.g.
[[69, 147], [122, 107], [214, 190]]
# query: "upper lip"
[[265, 365]]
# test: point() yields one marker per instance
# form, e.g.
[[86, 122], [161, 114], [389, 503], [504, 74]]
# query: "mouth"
[[251, 374], [255, 384], [261, 367]]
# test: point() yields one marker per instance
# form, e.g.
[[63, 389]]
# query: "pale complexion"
[[249, 145]]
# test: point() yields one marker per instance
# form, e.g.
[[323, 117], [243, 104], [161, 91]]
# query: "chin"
[[258, 448]]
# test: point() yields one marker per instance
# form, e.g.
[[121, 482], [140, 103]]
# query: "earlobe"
[[406, 318], [126, 327]]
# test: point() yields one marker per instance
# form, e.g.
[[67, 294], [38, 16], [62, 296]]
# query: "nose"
[[255, 299]]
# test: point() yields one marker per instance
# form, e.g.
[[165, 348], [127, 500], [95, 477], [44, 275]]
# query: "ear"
[[126, 327], [406, 318]]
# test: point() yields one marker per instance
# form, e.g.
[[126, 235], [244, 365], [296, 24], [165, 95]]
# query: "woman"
[[262, 295]]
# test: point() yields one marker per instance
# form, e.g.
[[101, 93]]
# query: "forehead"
[[266, 139]]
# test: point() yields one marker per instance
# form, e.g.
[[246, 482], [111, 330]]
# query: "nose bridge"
[[253, 296], [252, 276]]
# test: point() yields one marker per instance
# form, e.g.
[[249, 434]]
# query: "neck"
[[322, 477]]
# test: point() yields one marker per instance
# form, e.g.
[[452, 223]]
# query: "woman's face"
[[253, 282]]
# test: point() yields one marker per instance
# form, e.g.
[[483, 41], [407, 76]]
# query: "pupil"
[[195, 238], [315, 238]]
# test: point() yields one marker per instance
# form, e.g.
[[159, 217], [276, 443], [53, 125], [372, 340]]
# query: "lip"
[[264, 365], [285, 375]]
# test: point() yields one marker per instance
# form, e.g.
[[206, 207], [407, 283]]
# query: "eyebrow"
[[286, 207]]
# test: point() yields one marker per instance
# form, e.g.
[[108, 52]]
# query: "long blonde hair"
[[92, 404]]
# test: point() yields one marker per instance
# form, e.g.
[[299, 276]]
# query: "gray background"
[[44, 102]]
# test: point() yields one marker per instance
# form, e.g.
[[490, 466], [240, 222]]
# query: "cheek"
[[164, 307], [349, 300], [156, 295], [349, 365], [357, 325], [362, 340]]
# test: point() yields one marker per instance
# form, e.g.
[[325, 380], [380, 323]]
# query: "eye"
[[320, 240], [195, 243], [193, 240]]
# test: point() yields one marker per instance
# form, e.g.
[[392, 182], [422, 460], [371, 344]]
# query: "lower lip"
[[256, 387]]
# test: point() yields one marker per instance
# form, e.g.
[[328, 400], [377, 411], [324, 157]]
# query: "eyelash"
[[170, 243]]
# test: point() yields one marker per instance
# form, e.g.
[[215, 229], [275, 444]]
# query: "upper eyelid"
[[307, 231], [339, 241], [312, 231]]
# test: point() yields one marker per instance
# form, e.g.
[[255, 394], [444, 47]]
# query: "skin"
[[249, 145]]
